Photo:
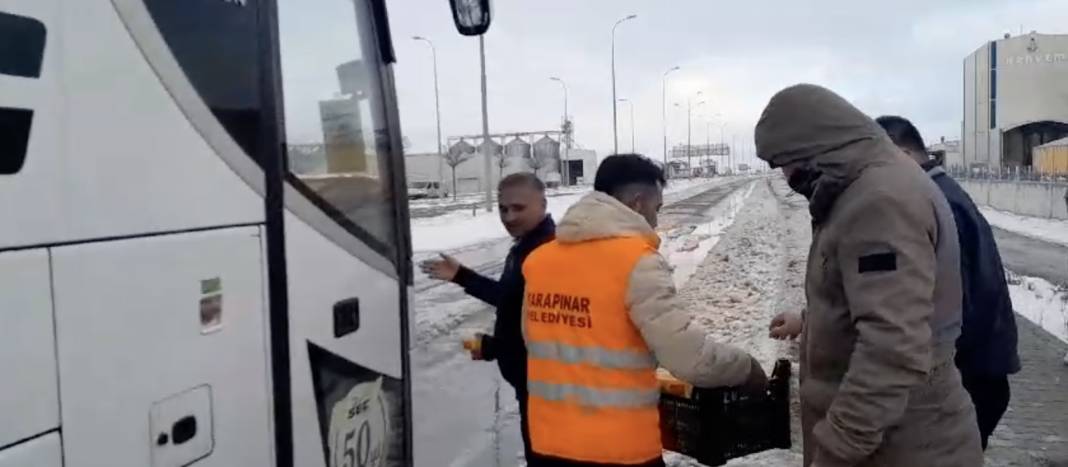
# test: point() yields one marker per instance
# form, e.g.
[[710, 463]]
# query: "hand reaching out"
[[786, 325], [443, 269]]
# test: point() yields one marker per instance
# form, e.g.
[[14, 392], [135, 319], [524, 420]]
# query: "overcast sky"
[[902, 57]]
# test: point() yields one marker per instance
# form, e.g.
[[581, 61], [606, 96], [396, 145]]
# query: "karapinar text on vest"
[[555, 308]]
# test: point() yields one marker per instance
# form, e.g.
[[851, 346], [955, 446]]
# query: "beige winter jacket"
[[678, 342], [878, 383]]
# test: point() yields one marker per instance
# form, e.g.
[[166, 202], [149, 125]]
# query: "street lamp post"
[[615, 128], [485, 127], [437, 100], [689, 131], [567, 137], [663, 110], [624, 99]]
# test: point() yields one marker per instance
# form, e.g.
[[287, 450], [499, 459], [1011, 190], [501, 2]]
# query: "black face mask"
[[803, 181]]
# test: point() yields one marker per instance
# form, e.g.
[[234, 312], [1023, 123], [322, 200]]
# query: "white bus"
[[171, 292]]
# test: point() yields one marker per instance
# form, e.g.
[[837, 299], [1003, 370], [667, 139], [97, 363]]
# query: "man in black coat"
[[986, 349], [521, 205]]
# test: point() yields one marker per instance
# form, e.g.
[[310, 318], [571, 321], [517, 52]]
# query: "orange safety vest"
[[592, 384]]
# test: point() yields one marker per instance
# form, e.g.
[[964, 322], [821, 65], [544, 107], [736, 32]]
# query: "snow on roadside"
[[469, 198], [751, 274], [1041, 302], [1050, 230], [459, 228], [686, 247], [462, 227], [734, 291]]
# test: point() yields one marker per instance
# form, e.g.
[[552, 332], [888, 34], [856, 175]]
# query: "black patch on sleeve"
[[877, 262]]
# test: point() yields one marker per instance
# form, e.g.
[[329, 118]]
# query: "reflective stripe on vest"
[[604, 358], [591, 378], [599, 398]]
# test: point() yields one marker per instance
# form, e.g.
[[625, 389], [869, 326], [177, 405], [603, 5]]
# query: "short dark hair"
[[521, 178], [619, 171], [902, 132]]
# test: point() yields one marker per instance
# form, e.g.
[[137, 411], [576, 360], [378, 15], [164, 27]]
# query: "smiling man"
[[521, 205]]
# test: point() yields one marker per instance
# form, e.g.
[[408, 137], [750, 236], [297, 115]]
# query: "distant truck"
[[1051, 159], [422, 190]]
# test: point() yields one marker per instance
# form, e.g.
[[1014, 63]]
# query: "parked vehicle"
[[421, 190], [201, 297]]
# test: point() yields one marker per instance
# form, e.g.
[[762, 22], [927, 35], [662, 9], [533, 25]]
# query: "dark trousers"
[[524, 427], [990, 394]]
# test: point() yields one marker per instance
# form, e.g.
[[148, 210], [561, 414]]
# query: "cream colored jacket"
[[678, 342]]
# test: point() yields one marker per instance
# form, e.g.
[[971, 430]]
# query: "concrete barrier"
[[1035, 199]]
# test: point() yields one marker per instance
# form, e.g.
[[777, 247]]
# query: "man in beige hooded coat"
[[878, 383]]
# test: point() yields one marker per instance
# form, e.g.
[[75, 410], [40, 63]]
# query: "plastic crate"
[[716, 425]]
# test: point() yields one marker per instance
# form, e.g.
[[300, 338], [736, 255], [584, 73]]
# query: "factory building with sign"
[[1015, 99]]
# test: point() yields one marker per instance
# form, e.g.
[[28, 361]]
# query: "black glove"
[[489, 350], [757, 381]]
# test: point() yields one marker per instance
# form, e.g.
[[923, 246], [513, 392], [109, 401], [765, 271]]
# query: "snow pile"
[[755, 271], [733, 293], [686, 247], [1041, 302], [772, 458], [1050, 230]]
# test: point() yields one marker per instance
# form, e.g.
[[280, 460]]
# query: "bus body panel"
[[141, 325], [38, 452], [111, 154], [27, 347], [321, 275], [154, 220]]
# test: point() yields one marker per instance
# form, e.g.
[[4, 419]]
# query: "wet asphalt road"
[[1031, 257]]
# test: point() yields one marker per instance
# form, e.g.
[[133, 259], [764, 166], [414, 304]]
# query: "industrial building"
[[949, 152], [1015, 99], [431, 167]]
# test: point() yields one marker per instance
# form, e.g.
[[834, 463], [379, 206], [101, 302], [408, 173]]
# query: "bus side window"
[[217, 45], [15, 127], [337, 133], [22, 43]]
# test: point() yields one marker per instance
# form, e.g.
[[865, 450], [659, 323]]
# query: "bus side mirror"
[[472, 17]]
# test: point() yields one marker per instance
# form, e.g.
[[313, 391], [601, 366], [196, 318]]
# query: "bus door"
[[346, 235]]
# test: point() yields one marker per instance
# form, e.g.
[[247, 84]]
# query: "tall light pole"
[[437, 100], [615, 128], [663, 110], [485, 127], [567, 137], [624, 99], [689, 130]]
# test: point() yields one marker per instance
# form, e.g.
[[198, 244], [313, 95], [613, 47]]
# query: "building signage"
[[1036, 59]]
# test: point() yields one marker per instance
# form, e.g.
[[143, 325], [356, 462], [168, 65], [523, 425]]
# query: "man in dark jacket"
[[521, 205], [878, 382], [986, 349]]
